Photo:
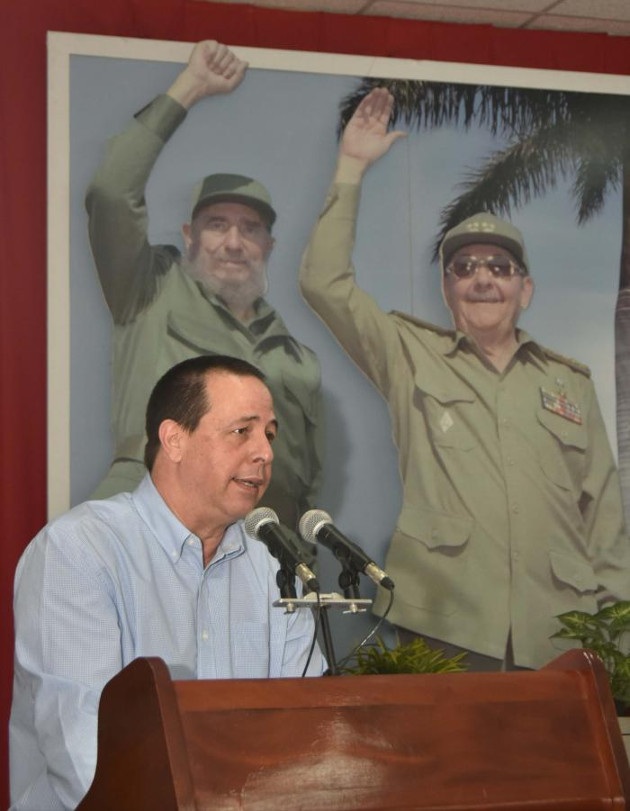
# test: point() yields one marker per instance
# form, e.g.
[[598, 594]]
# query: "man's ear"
[[527, 292], [187, 234], [269, 247], [172, 439]]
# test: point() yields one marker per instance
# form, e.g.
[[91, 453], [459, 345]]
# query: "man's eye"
[[218, 226], [500, 267], [251, 229], [271, 436]]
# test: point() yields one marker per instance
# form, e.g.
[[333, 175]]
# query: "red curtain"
[[23, 185]]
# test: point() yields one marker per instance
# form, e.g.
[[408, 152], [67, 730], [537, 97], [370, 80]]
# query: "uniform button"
[[435, 534], [510, 461], [205, 636], [515, 556], [505, 421], [516, 509]]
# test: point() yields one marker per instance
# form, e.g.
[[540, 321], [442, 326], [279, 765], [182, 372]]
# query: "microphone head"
[[311, 523], [258, 518]]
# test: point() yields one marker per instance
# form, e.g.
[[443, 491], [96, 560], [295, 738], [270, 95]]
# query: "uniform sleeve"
[[129, 268], [68, 646], [316, 441], [602, 510], [328, 284]]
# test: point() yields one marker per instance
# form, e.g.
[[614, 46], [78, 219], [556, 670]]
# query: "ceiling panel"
[[608, 16], [454, 14]]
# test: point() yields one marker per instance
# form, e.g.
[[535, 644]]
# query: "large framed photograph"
[[280, 127]]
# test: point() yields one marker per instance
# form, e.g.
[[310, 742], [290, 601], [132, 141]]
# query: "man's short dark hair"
[[180, 395]]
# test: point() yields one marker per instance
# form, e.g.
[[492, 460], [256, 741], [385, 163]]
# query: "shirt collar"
[[459, 339], [169, 531]]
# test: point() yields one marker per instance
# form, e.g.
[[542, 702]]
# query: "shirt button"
[[205, 636], [191, 542], [515, 509], [174, 555]]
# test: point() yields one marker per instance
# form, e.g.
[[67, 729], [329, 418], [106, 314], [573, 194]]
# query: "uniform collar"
[[459, 339]]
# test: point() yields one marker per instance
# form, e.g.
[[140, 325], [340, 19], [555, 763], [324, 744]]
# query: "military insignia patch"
[[446, 422], [560, 405]]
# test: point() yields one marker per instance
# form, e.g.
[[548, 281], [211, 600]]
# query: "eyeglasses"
[[465, 267]]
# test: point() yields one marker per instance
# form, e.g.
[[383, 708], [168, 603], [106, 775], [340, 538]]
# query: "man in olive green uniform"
[[511, 505], [167, 307]]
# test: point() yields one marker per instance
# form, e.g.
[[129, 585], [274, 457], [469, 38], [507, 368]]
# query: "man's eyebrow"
[[252, 418]]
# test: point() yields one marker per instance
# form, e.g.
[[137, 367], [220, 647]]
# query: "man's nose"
[[483, 276], [233, 238], [263, 452]]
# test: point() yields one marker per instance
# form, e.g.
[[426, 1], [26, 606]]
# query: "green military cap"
[[226, 188], [482, 228]]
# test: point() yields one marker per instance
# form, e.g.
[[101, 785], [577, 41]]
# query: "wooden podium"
[[524, 740]]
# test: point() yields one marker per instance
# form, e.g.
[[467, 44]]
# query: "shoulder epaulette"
[[570, 362], [424, 324]]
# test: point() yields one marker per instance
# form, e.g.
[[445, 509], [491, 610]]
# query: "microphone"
[[317, 525], [262, 524]]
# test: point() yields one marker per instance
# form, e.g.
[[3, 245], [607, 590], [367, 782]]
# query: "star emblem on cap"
[[481, 225]]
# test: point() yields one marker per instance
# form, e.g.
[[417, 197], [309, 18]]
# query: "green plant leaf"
[[414, 657]]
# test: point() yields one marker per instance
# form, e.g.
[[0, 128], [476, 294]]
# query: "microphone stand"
[[349, 583], [285, 580], [324, 624]]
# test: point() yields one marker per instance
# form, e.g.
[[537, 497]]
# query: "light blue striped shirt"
[[116, 579]]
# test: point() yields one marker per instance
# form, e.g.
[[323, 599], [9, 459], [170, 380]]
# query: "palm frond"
[[427, 105], [510, 177]]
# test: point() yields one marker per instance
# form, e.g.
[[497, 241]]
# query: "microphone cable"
[[317, 618], [367, 638]]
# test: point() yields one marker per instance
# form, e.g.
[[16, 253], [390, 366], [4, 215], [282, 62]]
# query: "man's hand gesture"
[[212, 70], [365, 138]]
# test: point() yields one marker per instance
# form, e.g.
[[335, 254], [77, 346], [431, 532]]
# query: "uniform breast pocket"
[[303, 393], [448, 413], [562, 449]]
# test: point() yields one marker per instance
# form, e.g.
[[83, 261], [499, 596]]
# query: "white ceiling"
[[607, 16]]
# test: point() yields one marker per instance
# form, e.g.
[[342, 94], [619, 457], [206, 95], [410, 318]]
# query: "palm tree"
[[551, 135]]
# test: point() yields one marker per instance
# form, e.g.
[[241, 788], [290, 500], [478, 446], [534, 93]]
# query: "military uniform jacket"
[[162, 316], [511, 505]]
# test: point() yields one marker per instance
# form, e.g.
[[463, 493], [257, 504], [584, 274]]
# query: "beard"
[[236, 294]]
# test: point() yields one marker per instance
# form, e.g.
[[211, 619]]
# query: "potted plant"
[[605, 633], [413, 657]]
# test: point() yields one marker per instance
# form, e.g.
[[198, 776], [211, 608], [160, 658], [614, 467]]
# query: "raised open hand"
[[365, 138]]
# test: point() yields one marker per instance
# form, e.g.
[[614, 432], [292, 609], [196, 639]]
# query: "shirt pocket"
[[562, 459], [447, 408], [578, 575], [304, 392], [572, 571], [207, 336], [428, 556], [435, 529]]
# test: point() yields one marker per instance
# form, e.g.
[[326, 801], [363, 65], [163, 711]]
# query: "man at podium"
[[166, 570]]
